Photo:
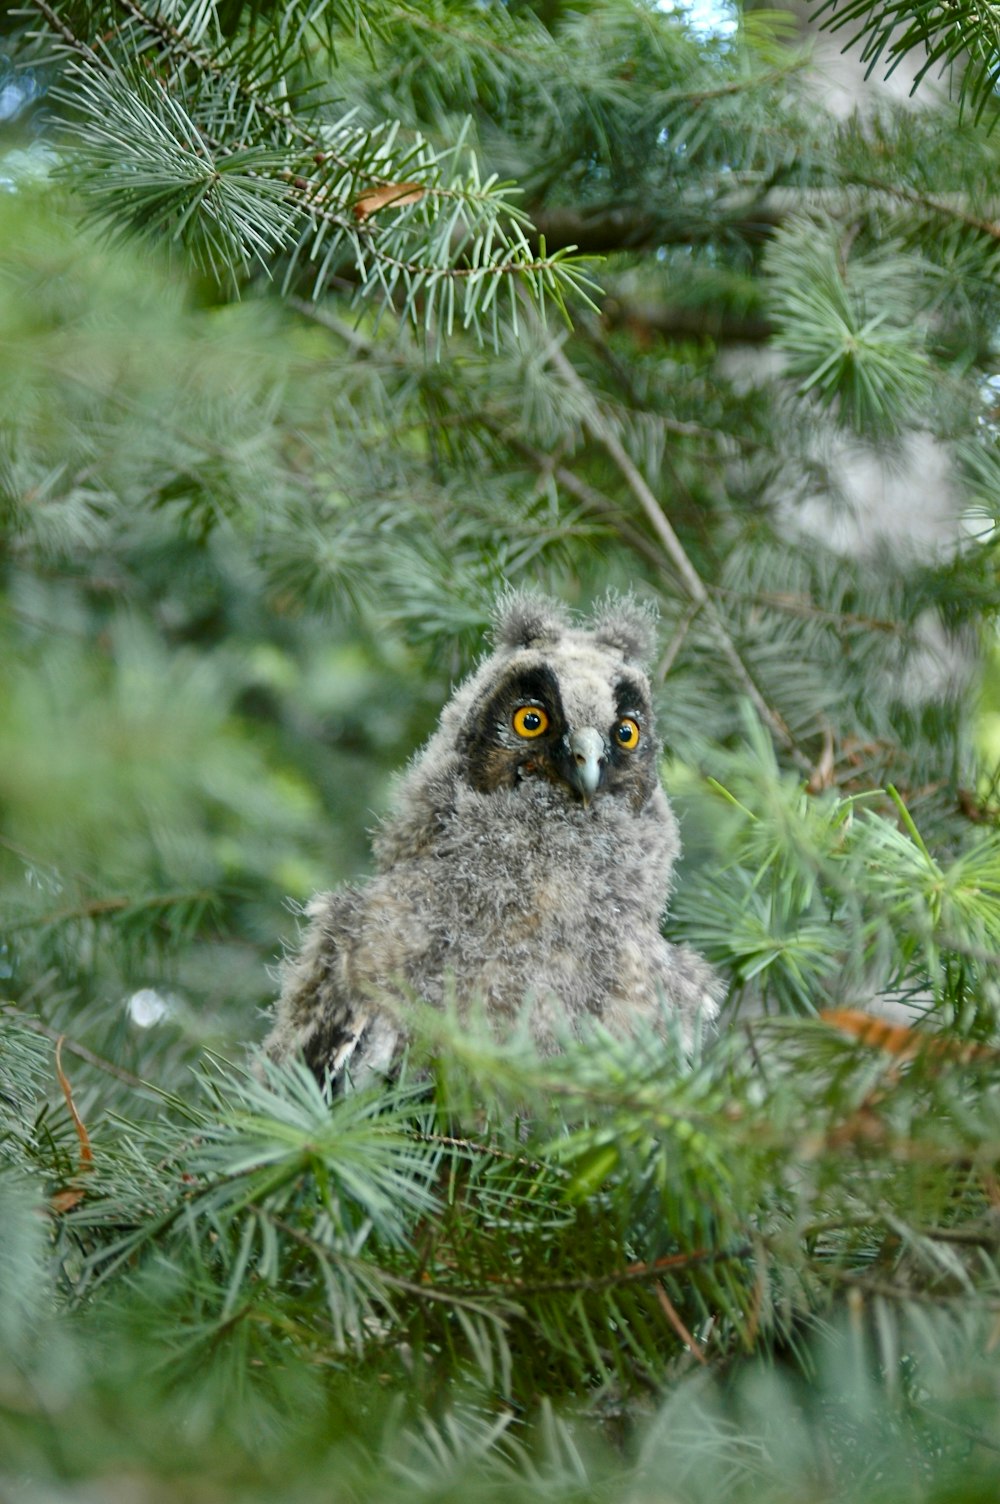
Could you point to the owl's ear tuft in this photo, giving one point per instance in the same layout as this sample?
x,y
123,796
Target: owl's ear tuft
x,y
623,622
522,619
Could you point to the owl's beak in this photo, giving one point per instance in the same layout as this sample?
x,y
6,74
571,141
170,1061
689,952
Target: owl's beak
x,y
588,756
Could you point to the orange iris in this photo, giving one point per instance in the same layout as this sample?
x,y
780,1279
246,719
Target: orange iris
x,y
530,720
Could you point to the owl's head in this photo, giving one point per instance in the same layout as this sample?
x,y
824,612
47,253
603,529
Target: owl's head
x,y
563,705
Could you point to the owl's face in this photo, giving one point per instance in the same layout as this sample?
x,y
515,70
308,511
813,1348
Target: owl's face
x,y
576,716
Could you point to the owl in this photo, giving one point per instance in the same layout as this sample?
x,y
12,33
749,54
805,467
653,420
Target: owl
x,y
525,868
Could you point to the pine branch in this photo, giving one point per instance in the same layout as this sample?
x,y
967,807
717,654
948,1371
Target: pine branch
x,y
163,157
964,35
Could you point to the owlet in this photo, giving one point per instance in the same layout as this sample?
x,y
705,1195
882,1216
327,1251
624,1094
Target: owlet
x,y
525,868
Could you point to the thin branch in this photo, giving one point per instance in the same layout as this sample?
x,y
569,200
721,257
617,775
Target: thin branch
x,y
941,207
802,606
600,230
971,1433
676,642
623,371
491,1151
359,346
631,1275
86,1149
97,908
671,322
865,1285
691,580
59,26
418,1289
605,228
673,1316
80,1050
590,496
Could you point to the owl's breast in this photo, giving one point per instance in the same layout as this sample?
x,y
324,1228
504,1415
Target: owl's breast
x,y
534,851
517,902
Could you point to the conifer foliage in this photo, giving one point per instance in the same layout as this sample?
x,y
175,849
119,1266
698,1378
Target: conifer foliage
x,y
321,322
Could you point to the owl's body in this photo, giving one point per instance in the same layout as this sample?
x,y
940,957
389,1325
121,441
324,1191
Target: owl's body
x,y
526,868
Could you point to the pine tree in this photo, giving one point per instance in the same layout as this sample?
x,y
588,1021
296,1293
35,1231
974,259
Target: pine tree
x,y
321,322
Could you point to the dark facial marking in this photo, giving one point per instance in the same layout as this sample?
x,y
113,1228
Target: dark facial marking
x,y
630,696
632,762
496,756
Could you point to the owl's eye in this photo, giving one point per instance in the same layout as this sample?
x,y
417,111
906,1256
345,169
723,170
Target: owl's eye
x,y
627,733
530,720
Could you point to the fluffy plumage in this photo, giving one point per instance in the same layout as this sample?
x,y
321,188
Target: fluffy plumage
x,y
527,863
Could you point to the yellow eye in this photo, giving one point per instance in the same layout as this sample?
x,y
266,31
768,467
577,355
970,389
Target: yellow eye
x,y
530,720
627,733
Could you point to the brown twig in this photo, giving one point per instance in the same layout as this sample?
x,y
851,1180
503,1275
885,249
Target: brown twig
x,y
71,1195
673,1316
86,1152
632,1274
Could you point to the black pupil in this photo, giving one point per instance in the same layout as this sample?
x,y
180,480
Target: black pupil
x,y
625,732
531,720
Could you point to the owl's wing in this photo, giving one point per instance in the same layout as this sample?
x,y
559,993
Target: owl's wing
x,y
318,1013
689,987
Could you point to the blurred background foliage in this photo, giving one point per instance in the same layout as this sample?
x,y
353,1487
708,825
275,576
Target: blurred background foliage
x,y
301,363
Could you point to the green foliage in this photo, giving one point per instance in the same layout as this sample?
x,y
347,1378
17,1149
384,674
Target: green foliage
x,y
816,902
282,408
645,1211
961,38
218,129
851,333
